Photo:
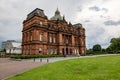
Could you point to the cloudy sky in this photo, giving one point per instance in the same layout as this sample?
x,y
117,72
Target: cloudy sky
x,y
100,18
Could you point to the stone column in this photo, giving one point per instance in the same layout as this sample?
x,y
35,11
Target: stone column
x,y
73,40
60,38
60,42
37,37
45,37
44,49
36,51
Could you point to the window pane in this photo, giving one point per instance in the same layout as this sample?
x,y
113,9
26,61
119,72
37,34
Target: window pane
x,y
41,36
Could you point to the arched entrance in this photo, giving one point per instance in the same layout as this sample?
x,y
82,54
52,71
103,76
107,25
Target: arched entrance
x,y
67,51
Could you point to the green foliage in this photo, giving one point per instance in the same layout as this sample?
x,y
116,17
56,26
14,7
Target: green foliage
x,y
100,52
115,45
103,50
96,53
33,56
97,47
97,68
91,52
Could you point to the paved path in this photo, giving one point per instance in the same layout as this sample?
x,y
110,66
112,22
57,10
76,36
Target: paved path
x,y
9,67
66,58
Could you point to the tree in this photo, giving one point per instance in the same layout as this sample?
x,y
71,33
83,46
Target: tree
x,y
97,47
103,50
115,44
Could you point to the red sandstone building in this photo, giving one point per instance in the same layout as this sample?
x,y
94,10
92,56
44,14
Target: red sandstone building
x,y
43,36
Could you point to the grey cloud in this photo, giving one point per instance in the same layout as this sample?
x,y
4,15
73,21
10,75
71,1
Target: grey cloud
x,y
112,23
79,9
104,9
86,21
102,16
94,8
105,17
10,29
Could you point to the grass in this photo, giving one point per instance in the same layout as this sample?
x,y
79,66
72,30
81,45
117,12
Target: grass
x,y
98,68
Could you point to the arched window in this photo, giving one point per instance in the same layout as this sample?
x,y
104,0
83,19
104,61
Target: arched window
x,y
40,50
40,23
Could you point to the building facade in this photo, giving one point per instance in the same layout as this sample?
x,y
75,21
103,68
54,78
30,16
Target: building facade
x,y
43,36
12,47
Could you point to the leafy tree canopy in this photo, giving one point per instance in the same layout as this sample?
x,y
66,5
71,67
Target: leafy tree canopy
x,y
97,47
115,44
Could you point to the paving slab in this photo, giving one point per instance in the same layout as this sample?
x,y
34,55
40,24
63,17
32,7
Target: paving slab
x,y
10,67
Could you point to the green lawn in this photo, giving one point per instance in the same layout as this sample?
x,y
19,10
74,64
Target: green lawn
x,y
98,68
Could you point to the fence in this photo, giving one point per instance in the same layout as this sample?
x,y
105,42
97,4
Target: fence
x,y
41,60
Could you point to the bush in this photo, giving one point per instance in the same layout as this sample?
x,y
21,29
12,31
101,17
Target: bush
x,y
96,52
111,52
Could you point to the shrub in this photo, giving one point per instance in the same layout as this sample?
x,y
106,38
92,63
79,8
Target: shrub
x,y
33,56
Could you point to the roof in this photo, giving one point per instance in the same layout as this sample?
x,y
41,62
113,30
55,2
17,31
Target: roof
x,y
57,16
37,11
16,44
78,25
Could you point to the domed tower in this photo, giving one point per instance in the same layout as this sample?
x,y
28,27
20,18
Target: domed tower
x,y
57,16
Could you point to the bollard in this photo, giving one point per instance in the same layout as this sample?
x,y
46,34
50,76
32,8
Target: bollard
x,y
40,59
34,59
47,60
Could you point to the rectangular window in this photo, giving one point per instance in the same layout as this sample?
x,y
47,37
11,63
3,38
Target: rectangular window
x,y
47,50
50,39
51,51
54,40
41,37
55,51
31,38
66,41
75,51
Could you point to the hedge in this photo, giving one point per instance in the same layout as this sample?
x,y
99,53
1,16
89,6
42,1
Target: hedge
x,y
33,56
